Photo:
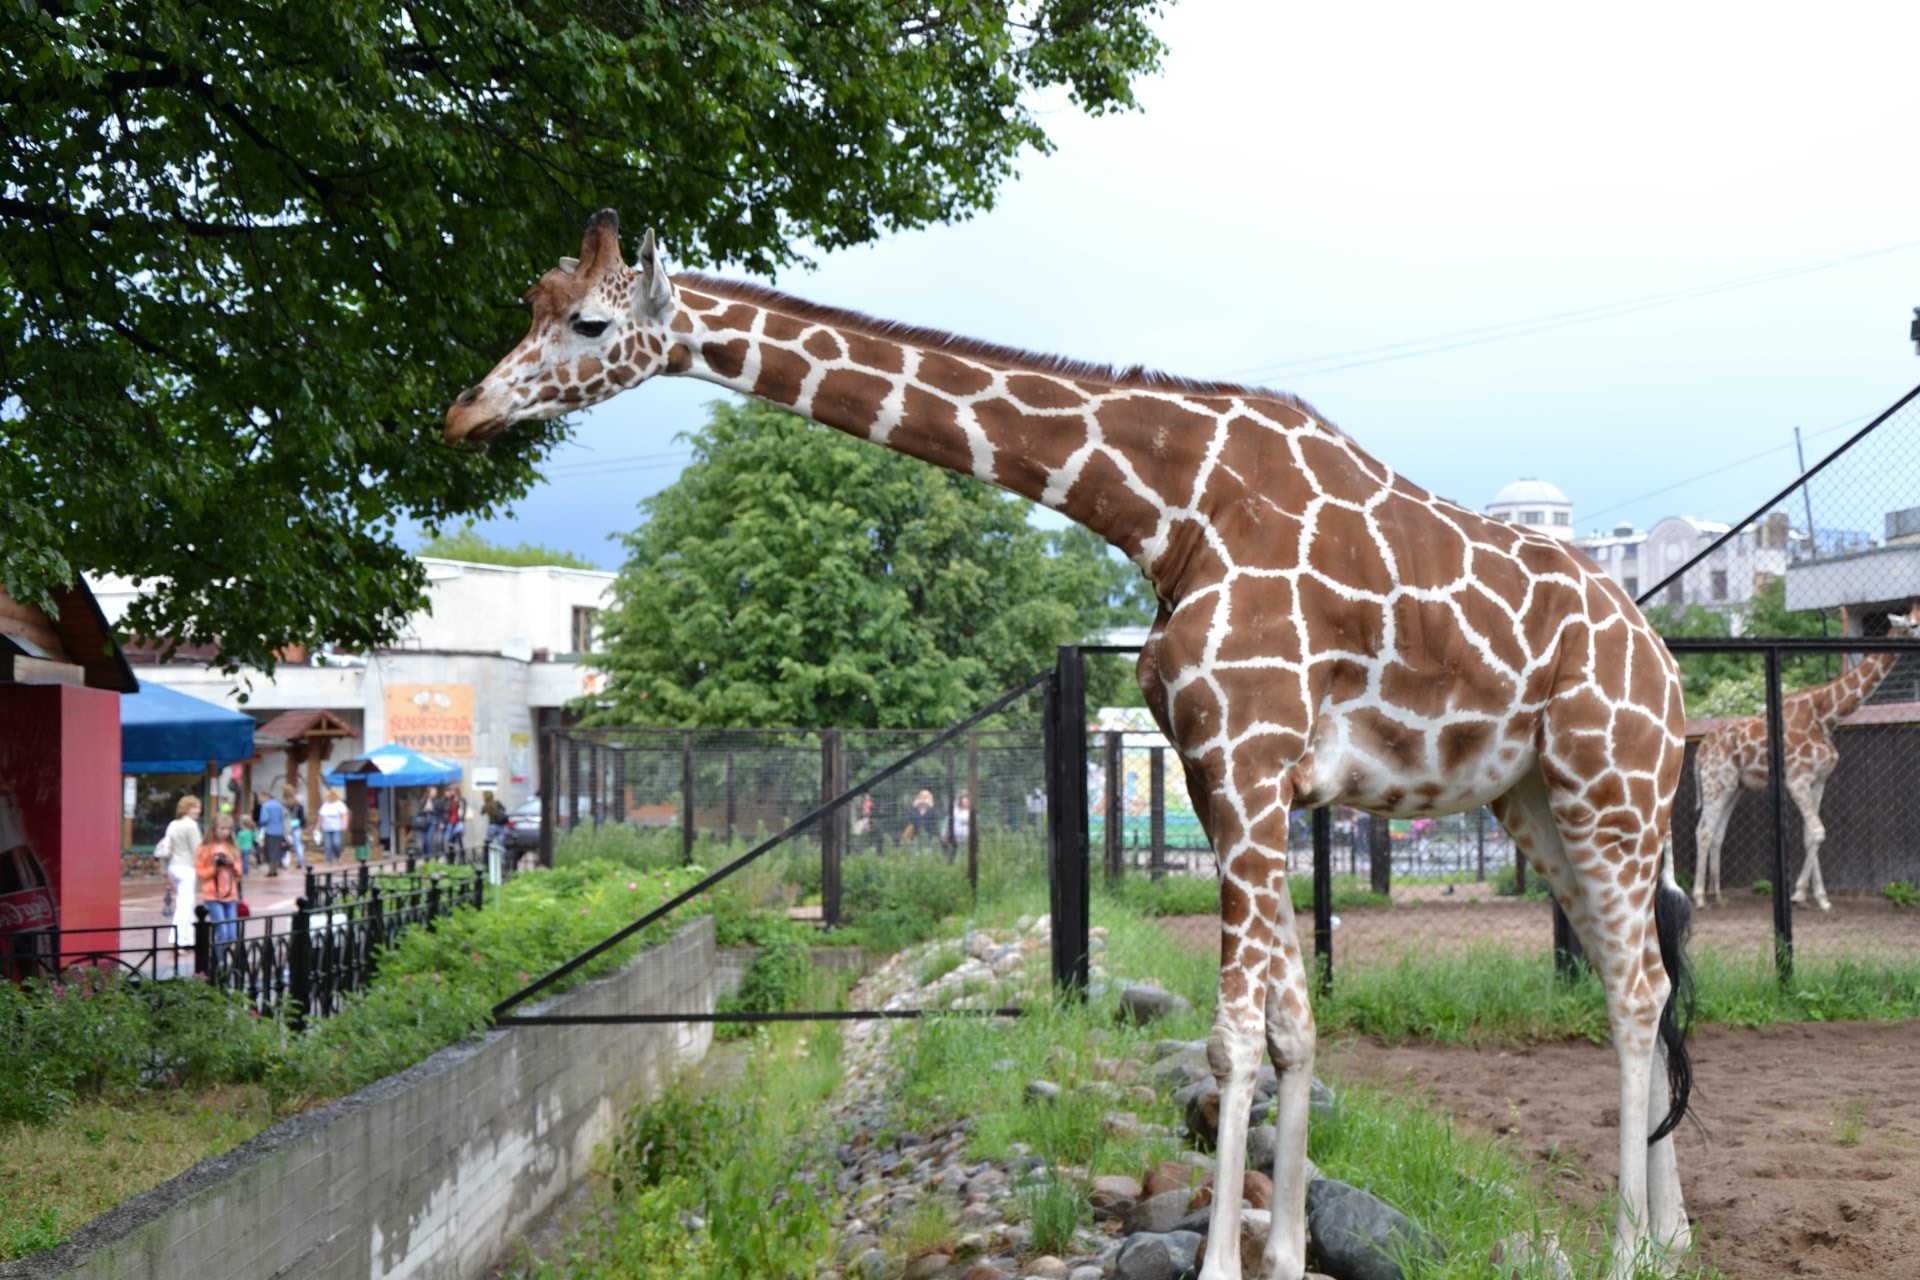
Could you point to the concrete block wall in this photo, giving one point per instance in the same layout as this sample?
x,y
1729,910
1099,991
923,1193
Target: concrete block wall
x,y
430,1174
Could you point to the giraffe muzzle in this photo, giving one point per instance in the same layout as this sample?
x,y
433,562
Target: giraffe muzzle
x,y
468,418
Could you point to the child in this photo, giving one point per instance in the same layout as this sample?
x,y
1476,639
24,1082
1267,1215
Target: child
x,y
243,840
216,862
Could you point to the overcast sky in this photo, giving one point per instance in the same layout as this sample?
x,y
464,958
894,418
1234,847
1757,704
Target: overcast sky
x,y
1487,240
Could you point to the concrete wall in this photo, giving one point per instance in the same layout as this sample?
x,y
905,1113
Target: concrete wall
x,y
430,1173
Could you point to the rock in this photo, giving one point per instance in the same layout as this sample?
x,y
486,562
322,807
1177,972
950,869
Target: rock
x,y
978,944
970,1245
1266,1081
1002,1064
1141,1004
1042,1091
1261,1142
1141,1095
871,1265
1182,1066
1123,1125
1322,1100
1255,1224
926,1266
1203,1111
1522,1255
1112,1187
1045,1267
1168,1048
983,1271
1087,1273
1156,1214
1168,1175
1257,1190
855,1245
1157,1256
1006,964
1357,1237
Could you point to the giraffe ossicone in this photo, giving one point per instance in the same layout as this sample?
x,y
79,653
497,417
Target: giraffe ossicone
x,y
1733,757
1327,632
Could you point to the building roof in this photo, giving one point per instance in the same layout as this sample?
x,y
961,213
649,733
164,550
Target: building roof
x,y
76,633
291,725
1530,489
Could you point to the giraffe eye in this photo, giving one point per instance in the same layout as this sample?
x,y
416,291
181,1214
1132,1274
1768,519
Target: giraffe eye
x,y
589,328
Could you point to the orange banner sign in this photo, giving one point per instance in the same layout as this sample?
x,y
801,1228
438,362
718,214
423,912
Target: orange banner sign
x,y
434,718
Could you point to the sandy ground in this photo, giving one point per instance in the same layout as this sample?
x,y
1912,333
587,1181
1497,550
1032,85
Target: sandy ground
x,y
1807,1162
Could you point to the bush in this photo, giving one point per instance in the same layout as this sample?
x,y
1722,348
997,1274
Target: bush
x,y
1506,879
621,844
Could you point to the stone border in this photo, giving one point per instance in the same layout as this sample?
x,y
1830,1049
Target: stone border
x,y
432,1172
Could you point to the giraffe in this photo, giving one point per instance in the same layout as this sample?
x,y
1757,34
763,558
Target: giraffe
x,y
1327,632
1734,755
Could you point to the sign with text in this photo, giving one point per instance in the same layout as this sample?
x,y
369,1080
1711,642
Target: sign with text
x,y
434,718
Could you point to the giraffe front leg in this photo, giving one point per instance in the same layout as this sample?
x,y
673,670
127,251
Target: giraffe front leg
x,y
1665,1205
1715,809
1290,1042
1814,835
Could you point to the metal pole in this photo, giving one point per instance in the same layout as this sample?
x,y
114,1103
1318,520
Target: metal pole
x,y
1480,844
830,786
1323,896
729,790
1067,812
973,815
686,796
1777,801
1157,813
549,798
1566,946
1116,809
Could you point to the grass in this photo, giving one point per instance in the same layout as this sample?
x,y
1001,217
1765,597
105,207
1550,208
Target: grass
x,y
1850,1125
56,1177
1184,895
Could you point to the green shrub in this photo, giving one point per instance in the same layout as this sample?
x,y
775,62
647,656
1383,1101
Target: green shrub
x,y
1901,893
773,983
1506,879
620,843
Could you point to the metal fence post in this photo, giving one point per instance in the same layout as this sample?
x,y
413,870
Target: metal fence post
x,y
727,787
1567,952
300,964
619,806
202,942
433,901
1116,808
1777,802
1323,896
1157,813
973,815
549,795
832,782
1067,815
686,796
1480,844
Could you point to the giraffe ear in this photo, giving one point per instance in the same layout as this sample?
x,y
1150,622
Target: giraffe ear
x,y
656,291
568,265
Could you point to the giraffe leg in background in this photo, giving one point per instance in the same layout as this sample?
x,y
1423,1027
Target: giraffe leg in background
x,y
1806,792
1717,797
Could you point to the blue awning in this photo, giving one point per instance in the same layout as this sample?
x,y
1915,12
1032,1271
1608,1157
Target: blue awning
x,y
165,731
393,765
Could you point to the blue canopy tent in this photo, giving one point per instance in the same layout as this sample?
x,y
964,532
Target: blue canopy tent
x,y
390,768
395,766
165,731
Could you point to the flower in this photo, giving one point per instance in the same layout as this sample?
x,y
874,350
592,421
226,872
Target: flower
x,y
632,884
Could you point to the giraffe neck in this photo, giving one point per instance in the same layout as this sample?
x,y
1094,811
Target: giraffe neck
x,y
1835,700
1115,452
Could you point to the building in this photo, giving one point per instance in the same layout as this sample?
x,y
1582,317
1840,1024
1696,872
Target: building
x,y
1618,553
1535,504
1730,577
494,659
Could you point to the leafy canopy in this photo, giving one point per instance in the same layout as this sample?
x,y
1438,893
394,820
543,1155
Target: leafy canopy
x,y
795,576
1734,684
249,253
467,544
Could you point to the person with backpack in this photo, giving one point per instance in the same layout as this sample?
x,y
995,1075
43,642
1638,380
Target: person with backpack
x,y
273,830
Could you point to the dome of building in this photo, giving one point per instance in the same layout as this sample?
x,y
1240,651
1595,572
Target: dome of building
x,y
1530,489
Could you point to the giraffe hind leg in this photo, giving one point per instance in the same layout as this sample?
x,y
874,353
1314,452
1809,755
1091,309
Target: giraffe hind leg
x,y
1806,798
1290,1043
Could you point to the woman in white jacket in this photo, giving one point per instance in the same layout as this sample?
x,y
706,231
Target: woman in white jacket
x,y
182,842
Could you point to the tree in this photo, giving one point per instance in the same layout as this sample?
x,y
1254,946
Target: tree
x,y
796,576
249,253
467,544
1732,684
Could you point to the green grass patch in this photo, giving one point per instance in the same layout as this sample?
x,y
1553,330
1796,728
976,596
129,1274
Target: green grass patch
x,y
748,1159
1184,895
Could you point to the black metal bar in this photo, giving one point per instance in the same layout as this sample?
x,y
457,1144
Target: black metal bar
x,y
1116,808
1067,812
202,941
1323,897
690,893
300,965
686,796
1789,644
812,1015
1157,813
1480,844
1566,945
1776,499
1777,801
832,779
549,795
727,785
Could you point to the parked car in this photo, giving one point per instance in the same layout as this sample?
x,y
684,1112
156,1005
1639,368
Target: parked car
x,y
523,827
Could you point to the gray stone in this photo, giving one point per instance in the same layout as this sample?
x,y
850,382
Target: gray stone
x,y
1355,1236
1157,1256
1522,1255
855,1245
871,1265
1322,1100
1261,1143
926,1266
1141,1004
1182,1066
1087,1273
1157,1213
1045,1267
1042,1091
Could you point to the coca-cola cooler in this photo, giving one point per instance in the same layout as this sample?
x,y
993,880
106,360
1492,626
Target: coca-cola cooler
x,y
59,818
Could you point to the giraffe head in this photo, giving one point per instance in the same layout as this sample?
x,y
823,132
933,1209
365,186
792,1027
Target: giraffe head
x,y
599,327
1904,626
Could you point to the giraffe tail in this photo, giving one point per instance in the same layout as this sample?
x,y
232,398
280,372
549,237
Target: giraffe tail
x,y
1672,913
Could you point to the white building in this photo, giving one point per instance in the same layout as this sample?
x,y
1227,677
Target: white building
x,y
1618,553
1729,578
1535,504
493,660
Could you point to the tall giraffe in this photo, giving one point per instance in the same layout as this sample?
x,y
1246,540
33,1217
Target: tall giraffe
x,y
1328,633
1734,755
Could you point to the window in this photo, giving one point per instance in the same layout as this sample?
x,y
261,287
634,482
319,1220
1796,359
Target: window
x,y
586,627
1633,587
1633,551
1533,517
1719,584
1674,594
1563,517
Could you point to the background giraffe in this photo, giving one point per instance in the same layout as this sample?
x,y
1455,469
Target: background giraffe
x,y
1733,755
1328,632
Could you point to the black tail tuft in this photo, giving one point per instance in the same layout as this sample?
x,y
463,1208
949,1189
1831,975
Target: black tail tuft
x,y
1672,913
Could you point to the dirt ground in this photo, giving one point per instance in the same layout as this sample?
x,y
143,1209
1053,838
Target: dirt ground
x,y
1809,1164
1421,917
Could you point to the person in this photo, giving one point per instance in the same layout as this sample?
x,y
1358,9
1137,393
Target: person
x,y
454,817
244,839
333,826
217,863
496,818
922,822
273,827
962,820
182,843
430,827
296,824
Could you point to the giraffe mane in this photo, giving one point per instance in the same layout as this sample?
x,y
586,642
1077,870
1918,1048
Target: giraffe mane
x,y
1127,377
